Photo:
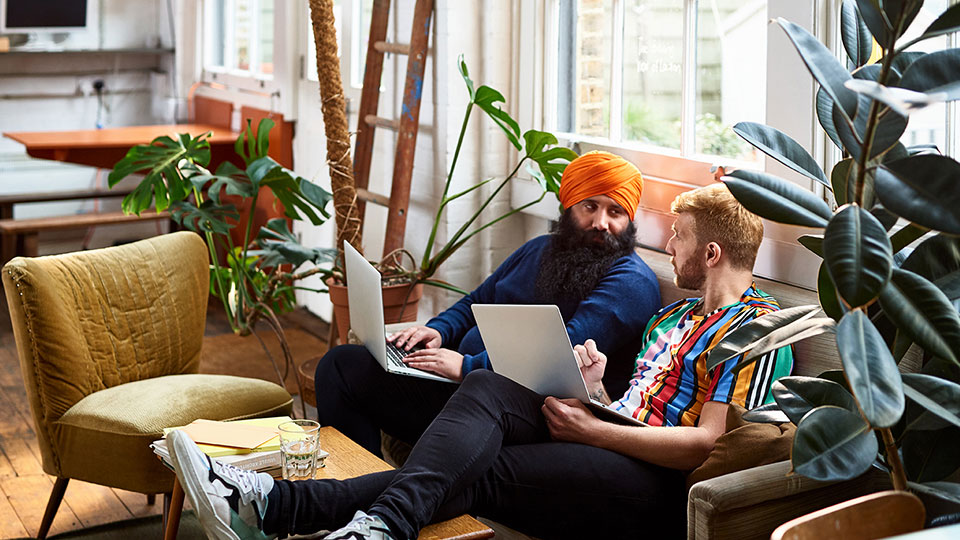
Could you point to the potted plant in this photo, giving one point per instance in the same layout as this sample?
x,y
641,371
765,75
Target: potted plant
x,y
535,147
255,279
879,296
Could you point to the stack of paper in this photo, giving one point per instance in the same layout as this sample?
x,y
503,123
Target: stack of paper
x,y
249,444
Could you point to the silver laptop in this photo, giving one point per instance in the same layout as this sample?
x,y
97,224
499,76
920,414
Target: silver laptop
x,y
529,344
366,315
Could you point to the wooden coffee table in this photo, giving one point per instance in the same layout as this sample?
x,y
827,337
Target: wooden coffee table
x,y
348,459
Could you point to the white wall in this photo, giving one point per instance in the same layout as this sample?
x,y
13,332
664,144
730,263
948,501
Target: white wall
x,y
53,91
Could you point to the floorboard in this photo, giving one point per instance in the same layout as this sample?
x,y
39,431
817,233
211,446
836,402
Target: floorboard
x,y
28,496
25,488
95,504
10,526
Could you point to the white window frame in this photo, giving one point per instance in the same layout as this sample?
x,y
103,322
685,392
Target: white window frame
x,y
268,91
615,143
790,108
349,33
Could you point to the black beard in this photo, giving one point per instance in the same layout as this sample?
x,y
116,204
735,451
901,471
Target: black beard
x,y
575,261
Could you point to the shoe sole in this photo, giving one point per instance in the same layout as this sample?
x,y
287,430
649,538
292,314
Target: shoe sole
x,y
193,488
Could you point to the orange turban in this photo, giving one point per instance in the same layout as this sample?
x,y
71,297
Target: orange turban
x,y
602,173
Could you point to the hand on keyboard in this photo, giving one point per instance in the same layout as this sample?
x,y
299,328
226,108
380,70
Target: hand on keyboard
x,y
416,335
443,362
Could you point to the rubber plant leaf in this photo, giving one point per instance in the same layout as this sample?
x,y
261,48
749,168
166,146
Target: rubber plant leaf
x,y
924,312
833,443
782,148
870,369
797,395
922,189
776,199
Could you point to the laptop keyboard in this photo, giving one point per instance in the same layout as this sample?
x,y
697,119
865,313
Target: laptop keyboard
x,y
395,355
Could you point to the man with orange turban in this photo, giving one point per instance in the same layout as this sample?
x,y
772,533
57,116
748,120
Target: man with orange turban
x,y
587,266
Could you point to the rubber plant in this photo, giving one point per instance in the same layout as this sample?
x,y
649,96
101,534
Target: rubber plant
x,y
890,276
255,280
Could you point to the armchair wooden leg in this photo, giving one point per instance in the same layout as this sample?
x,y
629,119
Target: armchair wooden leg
x,y
151,499
172,507
56,495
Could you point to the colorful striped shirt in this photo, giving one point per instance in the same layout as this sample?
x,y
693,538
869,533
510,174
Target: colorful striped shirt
x,y
670,382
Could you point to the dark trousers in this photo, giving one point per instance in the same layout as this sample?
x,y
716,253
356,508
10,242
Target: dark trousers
x,y
488,452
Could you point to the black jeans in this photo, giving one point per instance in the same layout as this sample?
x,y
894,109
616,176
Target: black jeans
x,y
356,396
489,453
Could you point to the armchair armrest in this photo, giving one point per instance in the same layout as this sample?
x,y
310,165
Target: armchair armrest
x,y
753,502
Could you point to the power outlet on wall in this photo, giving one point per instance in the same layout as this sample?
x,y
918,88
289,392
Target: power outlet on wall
x,y
89,86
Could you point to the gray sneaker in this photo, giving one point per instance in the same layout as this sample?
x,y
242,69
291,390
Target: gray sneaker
x,y
230,502
362,527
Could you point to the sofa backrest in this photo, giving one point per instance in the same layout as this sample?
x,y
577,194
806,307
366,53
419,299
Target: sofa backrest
x,y
812,356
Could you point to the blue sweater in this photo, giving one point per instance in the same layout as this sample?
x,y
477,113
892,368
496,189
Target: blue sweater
x,y
614,314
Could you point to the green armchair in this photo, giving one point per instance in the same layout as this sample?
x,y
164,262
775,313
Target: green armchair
x,y
109,344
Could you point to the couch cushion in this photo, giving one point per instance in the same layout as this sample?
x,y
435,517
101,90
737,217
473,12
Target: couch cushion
x,y
744,445
109,432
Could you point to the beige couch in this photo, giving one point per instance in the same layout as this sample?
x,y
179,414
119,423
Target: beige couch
x,y
751,503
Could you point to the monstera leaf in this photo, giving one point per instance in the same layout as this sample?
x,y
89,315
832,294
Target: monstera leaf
x,y
550,162
207,218
487,99
278,245
160,161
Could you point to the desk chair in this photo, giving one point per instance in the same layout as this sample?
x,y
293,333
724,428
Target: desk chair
x,y
109,344
877,515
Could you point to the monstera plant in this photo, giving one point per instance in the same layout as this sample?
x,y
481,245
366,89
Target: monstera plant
x,y
256,277
890,277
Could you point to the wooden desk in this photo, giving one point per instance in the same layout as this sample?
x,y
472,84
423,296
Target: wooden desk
x,y
105,147
348,459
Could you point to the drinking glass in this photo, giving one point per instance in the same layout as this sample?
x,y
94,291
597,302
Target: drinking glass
x,y
299,444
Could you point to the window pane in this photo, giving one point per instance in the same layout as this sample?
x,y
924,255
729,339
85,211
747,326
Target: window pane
x,y
583,98
215,29
362,34
731,74
242,33
652,74
929,125
266,37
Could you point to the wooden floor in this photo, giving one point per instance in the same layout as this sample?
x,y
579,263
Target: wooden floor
x,y
24,488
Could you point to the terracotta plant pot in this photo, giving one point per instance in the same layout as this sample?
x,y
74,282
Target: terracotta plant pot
x,y
400,304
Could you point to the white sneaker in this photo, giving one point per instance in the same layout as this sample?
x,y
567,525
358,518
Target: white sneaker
x,y
230,502
362,527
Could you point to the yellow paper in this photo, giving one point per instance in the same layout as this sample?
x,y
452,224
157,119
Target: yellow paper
x,y
272,444
229,434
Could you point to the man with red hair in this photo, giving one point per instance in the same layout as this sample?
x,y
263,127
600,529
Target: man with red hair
x,y
587,266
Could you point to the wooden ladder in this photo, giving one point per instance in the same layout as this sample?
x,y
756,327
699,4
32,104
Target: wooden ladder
x,y
406,125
